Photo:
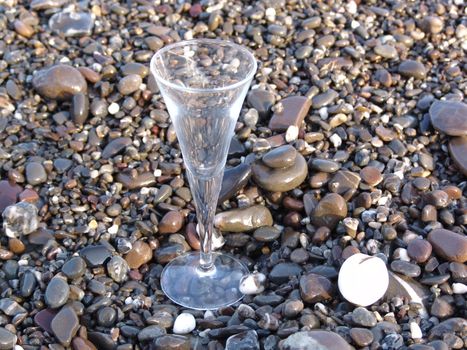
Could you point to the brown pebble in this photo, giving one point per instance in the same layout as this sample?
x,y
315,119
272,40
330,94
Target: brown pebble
x,y
16,245
139,254
171,222
371,175
419,250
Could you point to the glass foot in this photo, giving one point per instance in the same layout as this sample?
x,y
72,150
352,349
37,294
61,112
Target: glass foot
x,y
186,284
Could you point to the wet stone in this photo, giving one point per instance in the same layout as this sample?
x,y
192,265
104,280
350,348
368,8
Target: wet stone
x,y
71,23
118,268
169,252
431,24
20,219
282,272
171,222
449,117
345,183
8,339
329,211
324,99
61,165
27,284
95,255
443,307
234,180
261,100
449,245
59,82
411,68
315,288
35,173
281,157
10,307
140,254
361,336
44,319
74,268
293,112
419,250
266,234
8,194
364,318
65,325
134,182
79,343
102,341
386,51
316,339
171,342
115,146
245,340
371,175
458,152
106,316
135,68
324,165
57,292
405,268
150,333
129,84
79,108
243,219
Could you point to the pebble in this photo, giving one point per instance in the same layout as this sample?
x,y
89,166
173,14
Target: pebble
x,y
449,117
361,336
364,318
59,82
65,325
243,219
96,255
363,279
57,292
7,339
20,219
171,222
371,176
234,180
115,146
74,268
324,99
449,245
252,283
324,165
293,112
118,269
283,271
411,68
262,101
44,319
431,24
458,152
406,268
149,333
71,23
106,316
281,157
386,51
35,173
79,108
135,182
244,340
419,250
139,254
129,84
8,194
316,339
79,343
345,183
315,288
266,234
329,211
184,323
171,342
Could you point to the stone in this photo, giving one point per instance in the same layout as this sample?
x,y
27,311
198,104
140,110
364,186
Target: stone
x,y
8,193
71,23
20,219
102,341
171,342
314,340
363,279
57,292
139,254
79,343
44,319
449,245
135,68
280,157
95,255
315,288
280,179
431,24
361,336
243,341
35,173
458,151
106,316
411,68
330,210
11,308
293,112
406,268
129,84
184,323
324,165
364,318
324,99
443,306
171,222
386,51
243,219
59,82
131,182
169,252
266,234
419,250
8,339
79,110
451,325
150,333
234,180
61,165
283,271
449,117
371,175
118,269
345,183
65,325
261,100
74,268
252,283
115,146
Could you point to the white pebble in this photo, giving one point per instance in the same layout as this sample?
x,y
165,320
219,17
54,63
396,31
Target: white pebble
x,y
415,331
157,172
363,279
209,315
459,288
114,108
336,140
323,113
291,134
351,7
270,14
184,323
113,229
252,283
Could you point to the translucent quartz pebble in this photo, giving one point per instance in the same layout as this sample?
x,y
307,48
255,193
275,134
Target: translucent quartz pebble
x,y
71,23
20,219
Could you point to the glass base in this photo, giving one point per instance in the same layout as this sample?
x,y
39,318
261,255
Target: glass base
x,y
186,284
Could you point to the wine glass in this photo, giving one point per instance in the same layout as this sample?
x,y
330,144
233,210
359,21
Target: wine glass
x,y
204,83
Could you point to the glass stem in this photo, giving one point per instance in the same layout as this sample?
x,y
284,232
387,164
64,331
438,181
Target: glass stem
x,y
205,192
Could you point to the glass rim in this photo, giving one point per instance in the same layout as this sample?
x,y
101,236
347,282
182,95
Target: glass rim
x,y
182,43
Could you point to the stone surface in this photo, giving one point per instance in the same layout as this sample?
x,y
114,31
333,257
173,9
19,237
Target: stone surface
x,y
315,288
8,193
59,82
115,146
140,254
234,180
449,117
419,250
449,245
71,23
184,323
118,269
364,318
243,219
280,157
57,292
314,340
171,342
243,341
294,110
361,336
252,283
282,272
20,219
171,222
129,84
8,339
329,211
95,255
458,152
79,110
363,279
65,325
74,268
411,68
261,100
35,173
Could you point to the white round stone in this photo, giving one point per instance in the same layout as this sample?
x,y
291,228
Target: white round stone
x,y
363,279
184,323
291,134
252,283
459,288
415,331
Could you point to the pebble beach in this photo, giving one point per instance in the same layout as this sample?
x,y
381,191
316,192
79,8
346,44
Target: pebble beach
x,y
344,191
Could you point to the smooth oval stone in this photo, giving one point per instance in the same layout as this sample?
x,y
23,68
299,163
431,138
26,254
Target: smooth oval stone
x,y
244,340
419,250
102,341
315,288
135,68
115,146
65,325
329,211
131,182
449,117
266,234
371,175
118,268
139,254
315,339
27,284
243,219
8,193
129,84
57,292
283,179
35,173
324,165
361,336
7,339
234,180
169,252
171,342
458,152
386,51
431,24
106,316
95,255
363,279
324,99
452,325
280,157
61,165
71,23
79,108
151,332
74,268
411,68
406,268
344,182
261,100
363,317
59,82
171,222
449,245
294,110
282,272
